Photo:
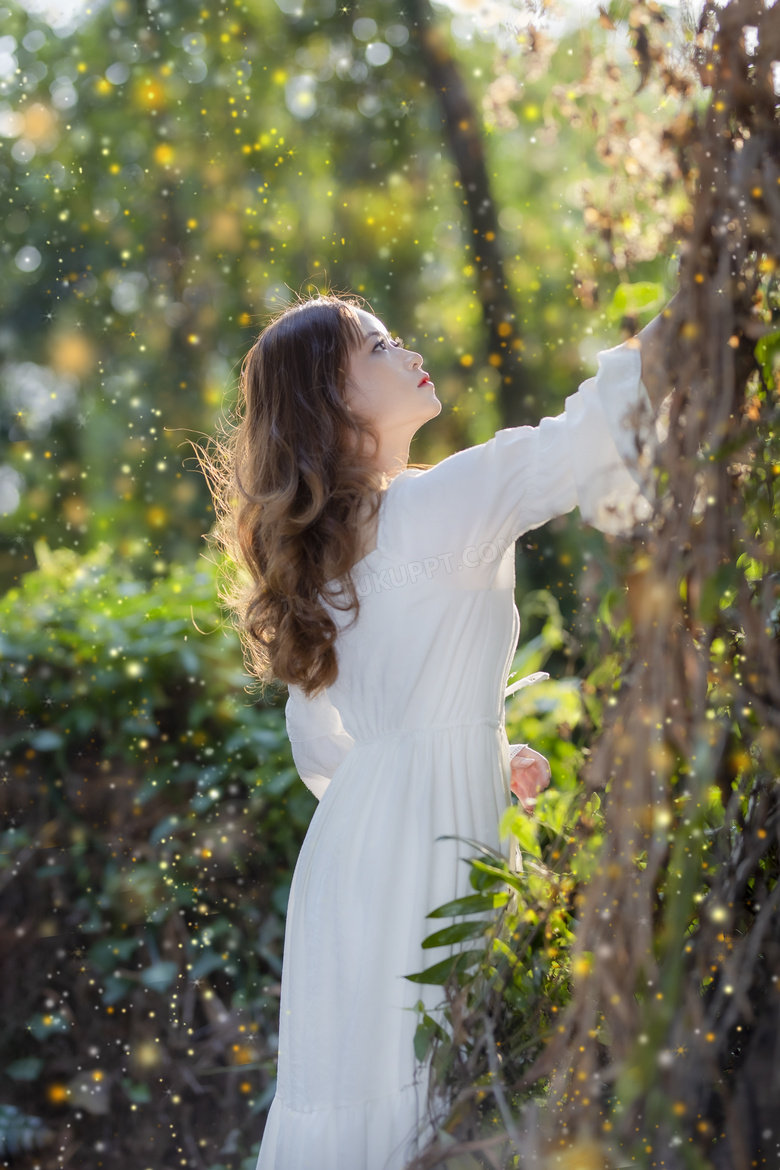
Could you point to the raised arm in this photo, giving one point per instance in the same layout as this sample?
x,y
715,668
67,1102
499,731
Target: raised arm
x,y
597,454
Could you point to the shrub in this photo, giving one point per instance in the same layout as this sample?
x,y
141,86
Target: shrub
x,y
151,818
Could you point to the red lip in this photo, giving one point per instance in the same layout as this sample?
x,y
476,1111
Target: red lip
x,y
423,381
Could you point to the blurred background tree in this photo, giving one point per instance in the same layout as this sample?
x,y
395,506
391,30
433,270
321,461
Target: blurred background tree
x,y
175,171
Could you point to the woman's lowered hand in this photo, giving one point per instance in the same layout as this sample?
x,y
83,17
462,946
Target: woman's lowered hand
x,y
530,774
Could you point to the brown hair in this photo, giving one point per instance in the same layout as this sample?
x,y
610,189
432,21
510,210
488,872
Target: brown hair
x,y
288,483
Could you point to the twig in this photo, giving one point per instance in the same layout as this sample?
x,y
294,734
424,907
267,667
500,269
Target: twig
x,y
498,1089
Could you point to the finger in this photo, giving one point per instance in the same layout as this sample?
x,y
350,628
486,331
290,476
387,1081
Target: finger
x,y
524,790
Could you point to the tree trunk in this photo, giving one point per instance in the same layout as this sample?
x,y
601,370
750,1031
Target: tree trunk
x,y
460,118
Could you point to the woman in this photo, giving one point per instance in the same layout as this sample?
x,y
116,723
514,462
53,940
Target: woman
x,y
383,595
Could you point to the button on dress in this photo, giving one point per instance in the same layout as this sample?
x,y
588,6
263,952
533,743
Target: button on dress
x,y
408,746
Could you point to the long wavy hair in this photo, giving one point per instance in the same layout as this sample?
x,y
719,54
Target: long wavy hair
x,y
289,479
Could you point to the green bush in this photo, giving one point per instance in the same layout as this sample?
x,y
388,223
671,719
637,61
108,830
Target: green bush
x,y
152,816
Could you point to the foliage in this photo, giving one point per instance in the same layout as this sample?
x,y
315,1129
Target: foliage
x,y
20,1133
505,995
152,818
177,171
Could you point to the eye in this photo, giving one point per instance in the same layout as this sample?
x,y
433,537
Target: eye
x,y
397,341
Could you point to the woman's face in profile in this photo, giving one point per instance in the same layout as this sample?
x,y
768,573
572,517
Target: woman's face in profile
x,y
384,381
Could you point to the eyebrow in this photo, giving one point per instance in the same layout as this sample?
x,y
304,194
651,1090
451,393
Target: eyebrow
x,y
376,333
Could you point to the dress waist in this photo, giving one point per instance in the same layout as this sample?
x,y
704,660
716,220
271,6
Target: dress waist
x,y
428,729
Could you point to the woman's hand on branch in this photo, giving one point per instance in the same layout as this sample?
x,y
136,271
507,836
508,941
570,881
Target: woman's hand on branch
x,y
530,774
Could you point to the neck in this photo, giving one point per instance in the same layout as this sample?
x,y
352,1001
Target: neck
x,y
393,455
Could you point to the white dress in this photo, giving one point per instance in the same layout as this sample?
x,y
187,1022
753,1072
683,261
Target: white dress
x,y
409,745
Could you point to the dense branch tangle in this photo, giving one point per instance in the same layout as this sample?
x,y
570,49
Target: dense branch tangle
x,y
668,1050
673,1060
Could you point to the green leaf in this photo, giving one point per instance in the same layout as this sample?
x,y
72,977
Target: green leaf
x,y
45,740
471,904
455,934
631,299
26,1069
44,1024
162,830
106,953
20,1133
281,896
422,1039
514,820
439,972
509,879
768,355
280,782
485,850
139,1093
482,881
425,1033
205,964
718,591
160,975
553,808
115,988
48,871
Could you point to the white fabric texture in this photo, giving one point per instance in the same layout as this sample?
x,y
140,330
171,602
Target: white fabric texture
x,y
408,746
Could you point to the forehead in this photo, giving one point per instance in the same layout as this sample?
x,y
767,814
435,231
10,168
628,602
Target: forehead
x,y
368,322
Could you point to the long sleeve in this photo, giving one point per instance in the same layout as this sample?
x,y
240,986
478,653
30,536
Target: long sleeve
x,y
597,454
317,737
612,438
